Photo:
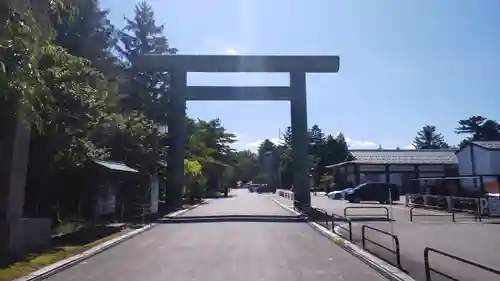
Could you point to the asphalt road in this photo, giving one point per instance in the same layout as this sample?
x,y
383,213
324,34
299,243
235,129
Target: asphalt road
x,y
245,237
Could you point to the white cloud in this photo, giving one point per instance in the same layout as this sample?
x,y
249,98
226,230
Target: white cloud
x,y
230,51
409,146
255,144
360,144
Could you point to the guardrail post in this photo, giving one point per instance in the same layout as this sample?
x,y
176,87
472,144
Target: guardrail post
x,y
363,236
426,265
350,230
398,254
411,214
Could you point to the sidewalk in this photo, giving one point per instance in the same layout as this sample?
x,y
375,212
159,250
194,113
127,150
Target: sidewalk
x,y
245,237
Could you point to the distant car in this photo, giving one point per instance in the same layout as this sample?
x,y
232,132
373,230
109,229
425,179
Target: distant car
x,y
338,194
253,187
266,188
373,191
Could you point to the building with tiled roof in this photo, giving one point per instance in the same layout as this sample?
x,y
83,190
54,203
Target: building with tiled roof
x,y
477,165
397,166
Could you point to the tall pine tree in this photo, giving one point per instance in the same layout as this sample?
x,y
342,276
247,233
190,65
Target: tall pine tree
x,y
145,91
428,138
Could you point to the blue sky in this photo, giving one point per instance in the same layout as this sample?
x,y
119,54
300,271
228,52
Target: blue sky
x,y
403,64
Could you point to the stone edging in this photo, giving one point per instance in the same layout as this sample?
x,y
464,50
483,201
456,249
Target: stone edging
x,y
387,270
61,265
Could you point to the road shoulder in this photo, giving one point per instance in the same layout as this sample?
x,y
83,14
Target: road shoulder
x,y
387,270
61,265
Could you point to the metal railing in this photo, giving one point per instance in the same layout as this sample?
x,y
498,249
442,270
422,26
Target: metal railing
x,y
387,216
468,205
428,269
395,251
348,229
451,214
332,220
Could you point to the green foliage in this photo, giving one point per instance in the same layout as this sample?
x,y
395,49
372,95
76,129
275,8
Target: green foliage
x,y
428,138
145,91
479,128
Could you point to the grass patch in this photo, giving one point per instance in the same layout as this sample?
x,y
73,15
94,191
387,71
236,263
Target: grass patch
x,y
58,251
338,241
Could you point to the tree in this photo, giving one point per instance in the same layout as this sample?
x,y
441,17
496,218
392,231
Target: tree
x,y
247,167
316,143
479,128
71,109
85,31
335,151
316,135
428,138
287,137
210,144
145,91
265,147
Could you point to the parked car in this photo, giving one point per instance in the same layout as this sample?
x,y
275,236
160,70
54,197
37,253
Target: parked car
x,y
253,187
266,188
373,191
338,194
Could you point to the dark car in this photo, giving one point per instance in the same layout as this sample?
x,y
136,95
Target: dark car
x,y
266,188
373,191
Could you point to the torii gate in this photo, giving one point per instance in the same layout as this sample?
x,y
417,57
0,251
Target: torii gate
x,y
297,66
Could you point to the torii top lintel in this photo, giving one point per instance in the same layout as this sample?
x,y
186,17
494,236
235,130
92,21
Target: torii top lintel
x,y
230,63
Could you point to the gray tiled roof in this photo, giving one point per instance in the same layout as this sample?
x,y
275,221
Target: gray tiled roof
x,y
494,145
400,156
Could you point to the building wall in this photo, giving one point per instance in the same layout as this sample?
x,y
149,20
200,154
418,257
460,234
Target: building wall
x,y
465,167
399,174
483,162
488,163
495,161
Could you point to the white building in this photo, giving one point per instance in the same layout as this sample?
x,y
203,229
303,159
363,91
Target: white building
x,y
480,158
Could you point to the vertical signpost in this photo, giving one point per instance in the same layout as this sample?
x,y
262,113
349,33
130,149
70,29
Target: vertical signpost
x,y
179,65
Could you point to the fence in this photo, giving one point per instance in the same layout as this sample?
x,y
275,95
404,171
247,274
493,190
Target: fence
x,y
322,216
386,216
452,214
428,269
286,194
348,229
395,251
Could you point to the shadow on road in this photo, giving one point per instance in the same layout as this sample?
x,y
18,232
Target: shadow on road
x,y
232,218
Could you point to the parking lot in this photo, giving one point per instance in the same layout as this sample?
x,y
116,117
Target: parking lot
x,y
473,241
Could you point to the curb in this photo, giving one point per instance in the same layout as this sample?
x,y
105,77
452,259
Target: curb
x,y
61,265
384,268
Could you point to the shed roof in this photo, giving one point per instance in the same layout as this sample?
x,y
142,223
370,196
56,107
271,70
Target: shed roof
x,y
403,156
490,145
